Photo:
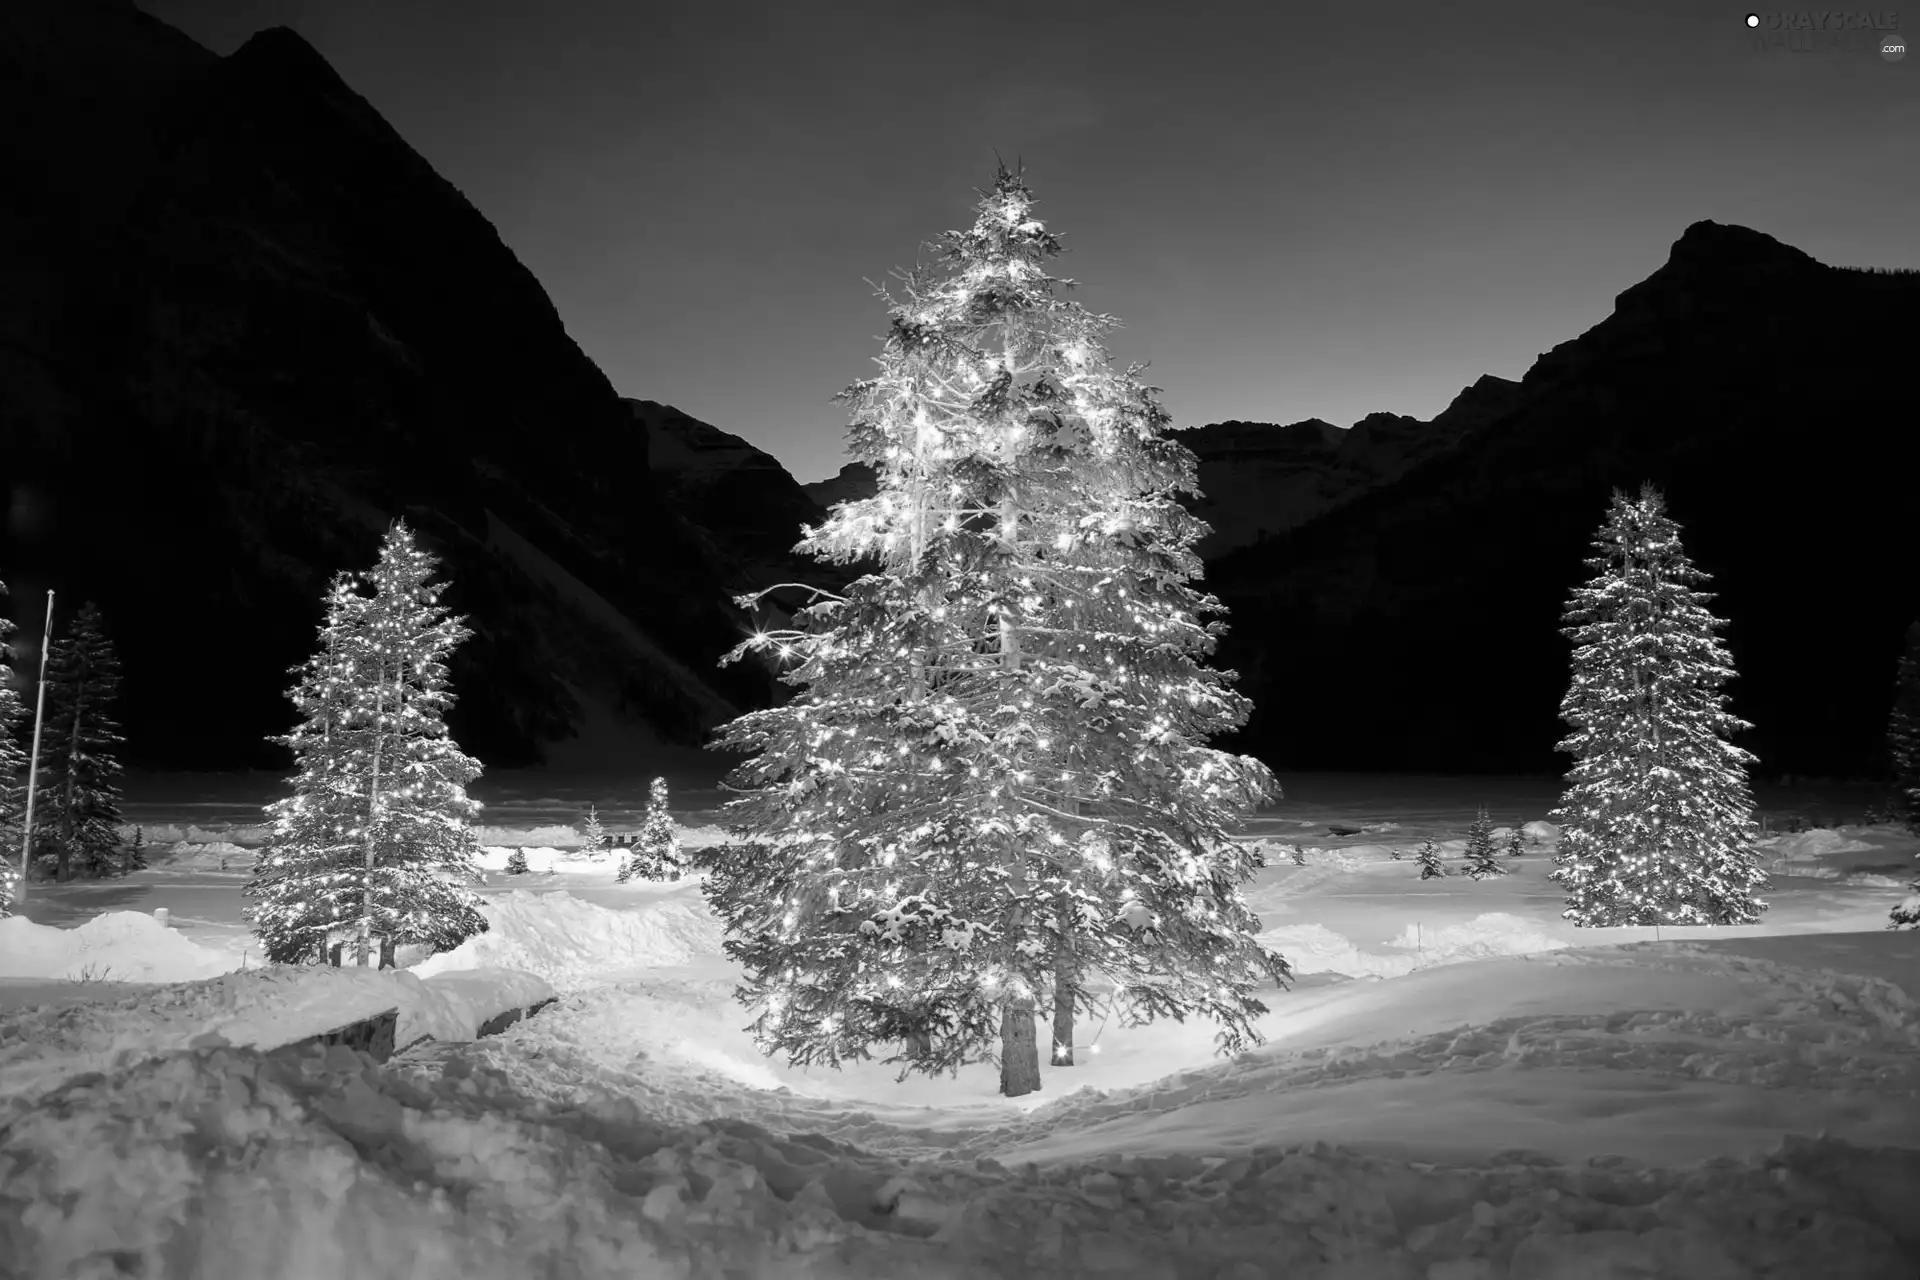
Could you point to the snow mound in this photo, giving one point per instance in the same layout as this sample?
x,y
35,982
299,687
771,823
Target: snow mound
x,y
118,946
259,1008
1492,933
1541,832
1313,948
575,944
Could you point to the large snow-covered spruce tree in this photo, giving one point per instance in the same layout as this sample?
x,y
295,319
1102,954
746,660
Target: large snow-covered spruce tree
x,y
82,795
1657,818
993,789
13,764
377,839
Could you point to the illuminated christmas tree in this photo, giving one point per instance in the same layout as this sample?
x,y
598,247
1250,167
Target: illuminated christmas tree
x,y
1481,860
13,768
377,839
1657,819
992,790
1903,735
593,834
81,817
656,850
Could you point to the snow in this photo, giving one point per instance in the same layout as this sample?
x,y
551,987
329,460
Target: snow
x,y
572,943
1461,1086
261,1008
127,946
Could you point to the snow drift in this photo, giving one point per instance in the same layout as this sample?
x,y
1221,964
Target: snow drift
x,y
575,944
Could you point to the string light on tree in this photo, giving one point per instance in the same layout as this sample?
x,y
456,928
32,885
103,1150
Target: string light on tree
x,y
960,802
1657,819
376,840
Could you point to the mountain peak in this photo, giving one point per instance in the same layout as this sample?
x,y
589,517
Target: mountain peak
x,y
1726,246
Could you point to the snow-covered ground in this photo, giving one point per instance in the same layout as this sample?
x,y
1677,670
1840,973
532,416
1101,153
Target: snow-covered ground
x,y
1460,1087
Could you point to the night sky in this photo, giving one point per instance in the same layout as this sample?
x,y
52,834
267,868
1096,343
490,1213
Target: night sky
x,y
1297,209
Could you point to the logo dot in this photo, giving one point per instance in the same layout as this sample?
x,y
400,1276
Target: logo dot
x,y
1753,19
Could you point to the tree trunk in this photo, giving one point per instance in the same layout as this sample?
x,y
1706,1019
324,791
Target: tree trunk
x,y
1064,978
70,789
1019,1050
920,1043
388,945
334,952
373,831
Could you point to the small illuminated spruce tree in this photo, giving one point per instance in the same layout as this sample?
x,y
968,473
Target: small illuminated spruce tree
x,y
82,794
993,788
1431,868
377,838
1481,860
1657,818
13,768
656,850
593,833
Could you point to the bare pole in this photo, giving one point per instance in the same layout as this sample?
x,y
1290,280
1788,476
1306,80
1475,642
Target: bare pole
x,y
33,764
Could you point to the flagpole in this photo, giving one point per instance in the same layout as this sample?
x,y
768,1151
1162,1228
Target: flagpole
x,y
33,765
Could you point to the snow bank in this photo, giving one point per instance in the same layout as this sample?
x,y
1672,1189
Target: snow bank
x,y
261,1008
574,944
1313,948
1541,832
119,946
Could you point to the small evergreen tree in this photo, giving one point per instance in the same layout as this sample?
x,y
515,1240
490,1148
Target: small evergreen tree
x,y
1903,735
378,834
1396,853
1429,861
1299,856
1657,819
594,834
656,851
82,814
136,850
1481,861
517,863
1516,841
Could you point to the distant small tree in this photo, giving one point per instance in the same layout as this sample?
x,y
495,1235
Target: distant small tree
x,y
656,852
593,833
1299,856
517,863
1481,861
1397,853
136,852
1516,841
1903,735
1429,861
82,813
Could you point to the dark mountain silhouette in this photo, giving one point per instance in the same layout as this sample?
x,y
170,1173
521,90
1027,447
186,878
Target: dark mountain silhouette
x,y
1415,627
1257,478
245,326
